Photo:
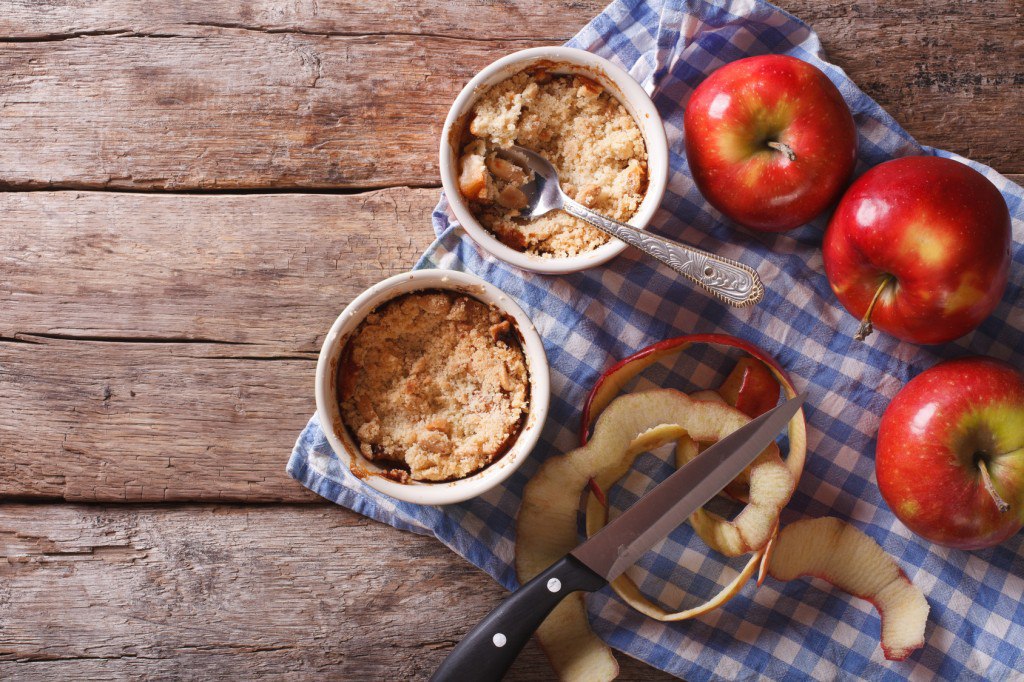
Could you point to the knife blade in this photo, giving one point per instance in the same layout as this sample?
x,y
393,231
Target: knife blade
x,y
621,543
489,649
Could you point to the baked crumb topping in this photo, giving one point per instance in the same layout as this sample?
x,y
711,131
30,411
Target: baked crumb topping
x,y
435,383
590,138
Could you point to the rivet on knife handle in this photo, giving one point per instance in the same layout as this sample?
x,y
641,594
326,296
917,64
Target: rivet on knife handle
x,y
487,652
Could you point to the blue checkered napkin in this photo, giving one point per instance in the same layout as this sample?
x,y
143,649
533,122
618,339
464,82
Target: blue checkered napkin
x,y
588,320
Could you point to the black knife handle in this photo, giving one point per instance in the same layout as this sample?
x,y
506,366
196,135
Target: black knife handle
x,y
487,652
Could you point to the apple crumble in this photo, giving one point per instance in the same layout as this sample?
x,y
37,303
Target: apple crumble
x,y
593,142
434,385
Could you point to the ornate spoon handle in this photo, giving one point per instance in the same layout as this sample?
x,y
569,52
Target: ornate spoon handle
x,y
730,282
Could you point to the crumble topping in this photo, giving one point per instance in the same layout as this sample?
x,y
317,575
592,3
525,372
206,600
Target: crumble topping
x,y
436,383
590,138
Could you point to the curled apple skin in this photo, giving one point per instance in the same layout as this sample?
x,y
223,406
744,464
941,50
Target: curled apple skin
x,y
611,383
546,524
750,387
825,548
843,556
932,442
615,378
771,487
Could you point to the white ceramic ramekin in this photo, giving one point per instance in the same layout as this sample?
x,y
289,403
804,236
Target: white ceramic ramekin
x,y
562,60
327,375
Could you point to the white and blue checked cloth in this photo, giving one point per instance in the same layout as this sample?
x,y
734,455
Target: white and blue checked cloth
x,y
782,631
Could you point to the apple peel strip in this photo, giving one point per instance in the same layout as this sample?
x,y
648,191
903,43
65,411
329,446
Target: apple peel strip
x,y
624,586
902,606
545,532
847,558
771,486
546,525
615,379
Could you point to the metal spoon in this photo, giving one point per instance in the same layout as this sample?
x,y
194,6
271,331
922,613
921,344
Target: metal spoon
x,y
729,281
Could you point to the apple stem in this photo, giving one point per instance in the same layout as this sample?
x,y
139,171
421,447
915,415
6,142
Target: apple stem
x,y
782,147
865,323
987,480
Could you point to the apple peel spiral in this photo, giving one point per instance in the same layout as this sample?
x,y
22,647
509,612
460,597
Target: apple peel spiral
x,y
626,425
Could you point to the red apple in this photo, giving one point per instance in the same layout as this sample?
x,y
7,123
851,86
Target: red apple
x,y
950,455
920,248
770,141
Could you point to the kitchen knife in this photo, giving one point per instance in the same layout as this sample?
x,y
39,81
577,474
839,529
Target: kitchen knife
x,y
489,649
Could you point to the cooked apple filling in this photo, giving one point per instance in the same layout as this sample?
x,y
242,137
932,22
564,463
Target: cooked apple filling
x,y
590,138
434,386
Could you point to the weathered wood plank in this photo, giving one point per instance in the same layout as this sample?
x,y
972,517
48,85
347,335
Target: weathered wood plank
x,y
471,19
169,342
126,422
949,73
474,19
256,280
179,104
197,592
221,108
268,271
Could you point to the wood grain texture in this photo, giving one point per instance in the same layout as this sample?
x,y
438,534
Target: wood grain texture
x,y
470,19
163,347
125,422
201,592
267,273
317,97
224,108
950,73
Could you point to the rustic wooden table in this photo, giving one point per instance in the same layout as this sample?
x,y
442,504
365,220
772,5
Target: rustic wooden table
x,y
191,192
